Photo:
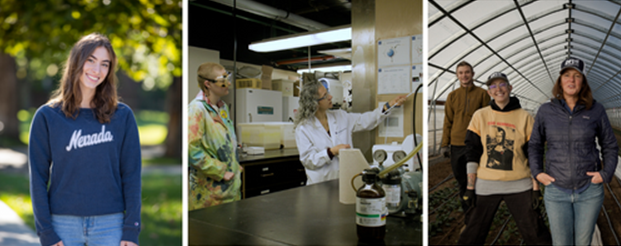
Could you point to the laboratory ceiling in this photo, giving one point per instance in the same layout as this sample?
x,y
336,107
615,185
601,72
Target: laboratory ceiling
x,y
212,26
527,40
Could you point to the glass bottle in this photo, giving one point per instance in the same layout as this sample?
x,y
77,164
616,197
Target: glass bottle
x,y
371,208
391,184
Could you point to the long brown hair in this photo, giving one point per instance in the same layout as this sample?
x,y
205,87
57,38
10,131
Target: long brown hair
x,y
584,96
69,96
308,102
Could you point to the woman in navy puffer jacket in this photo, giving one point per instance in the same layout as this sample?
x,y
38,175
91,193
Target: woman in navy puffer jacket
x,y
574,172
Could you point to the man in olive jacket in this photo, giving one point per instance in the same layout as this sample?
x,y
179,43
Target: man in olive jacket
x,y
458,109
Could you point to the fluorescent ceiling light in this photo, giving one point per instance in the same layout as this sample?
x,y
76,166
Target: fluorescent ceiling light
x,y
344,53
326,69
306,39
343,50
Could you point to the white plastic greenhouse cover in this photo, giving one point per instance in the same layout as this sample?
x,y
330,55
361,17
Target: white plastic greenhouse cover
x,y
527,40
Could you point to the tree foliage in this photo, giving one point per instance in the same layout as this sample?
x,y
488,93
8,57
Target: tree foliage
x,y
145,34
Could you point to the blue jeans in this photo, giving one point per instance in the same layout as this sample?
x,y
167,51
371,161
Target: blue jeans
x,y
99,230
573,216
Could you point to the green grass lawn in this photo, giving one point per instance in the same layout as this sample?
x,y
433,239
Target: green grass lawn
x,y
161,210
161,206
15,192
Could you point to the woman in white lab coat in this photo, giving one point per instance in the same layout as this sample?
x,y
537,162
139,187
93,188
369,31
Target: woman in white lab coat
x,y
320,133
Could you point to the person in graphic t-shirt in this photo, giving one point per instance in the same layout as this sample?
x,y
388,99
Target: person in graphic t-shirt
x,y
500,153
504,124
84,146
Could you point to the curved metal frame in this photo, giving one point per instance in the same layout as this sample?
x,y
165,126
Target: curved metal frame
x,y
530,65
600,65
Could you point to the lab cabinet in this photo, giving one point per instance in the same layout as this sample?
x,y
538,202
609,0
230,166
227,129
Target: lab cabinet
x,y
277,170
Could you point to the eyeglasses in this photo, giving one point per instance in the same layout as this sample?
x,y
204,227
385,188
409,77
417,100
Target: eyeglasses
x,y
503,85
324,96
222,78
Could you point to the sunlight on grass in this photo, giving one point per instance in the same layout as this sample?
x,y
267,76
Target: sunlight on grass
x,y
15,192
161,210
152,134
152,116
22,205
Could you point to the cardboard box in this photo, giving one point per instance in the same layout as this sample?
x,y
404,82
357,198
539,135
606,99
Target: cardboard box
x,y
283,85
296,89
266,77
248,83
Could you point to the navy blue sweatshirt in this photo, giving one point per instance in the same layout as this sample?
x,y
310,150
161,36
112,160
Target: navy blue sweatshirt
x,y
95,168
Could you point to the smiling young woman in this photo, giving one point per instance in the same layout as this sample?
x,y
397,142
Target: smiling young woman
x,y
497,168
84,146
95,70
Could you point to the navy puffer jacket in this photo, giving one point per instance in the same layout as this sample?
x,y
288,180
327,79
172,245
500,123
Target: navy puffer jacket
x,y
572,150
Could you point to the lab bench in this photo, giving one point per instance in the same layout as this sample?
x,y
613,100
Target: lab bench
x,y
309,215
276,170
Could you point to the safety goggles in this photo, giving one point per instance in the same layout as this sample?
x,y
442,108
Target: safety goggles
x,y
220,79
324,96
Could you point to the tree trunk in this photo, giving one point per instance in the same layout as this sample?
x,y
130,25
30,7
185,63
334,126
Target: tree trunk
x,y
9,104
173,107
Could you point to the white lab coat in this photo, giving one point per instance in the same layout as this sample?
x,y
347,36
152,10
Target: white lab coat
x,y
313,140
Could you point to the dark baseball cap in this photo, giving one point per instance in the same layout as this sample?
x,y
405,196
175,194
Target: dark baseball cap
x,y
496,75
574,63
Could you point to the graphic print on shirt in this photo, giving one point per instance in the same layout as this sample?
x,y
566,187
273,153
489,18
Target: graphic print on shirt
x,y
500,145
79,141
